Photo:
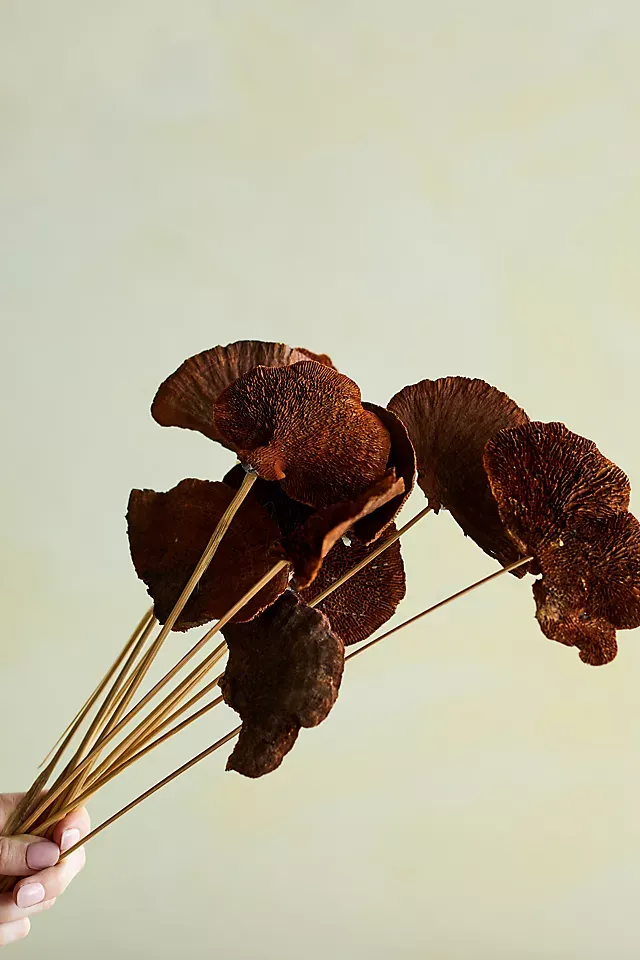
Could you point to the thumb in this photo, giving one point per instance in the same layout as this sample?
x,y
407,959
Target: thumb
x,y
22,855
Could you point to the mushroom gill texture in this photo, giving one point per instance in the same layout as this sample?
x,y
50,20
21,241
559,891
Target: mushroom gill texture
x,y
449,421
565,503
304,425
284,672
187,397
367,600
544,478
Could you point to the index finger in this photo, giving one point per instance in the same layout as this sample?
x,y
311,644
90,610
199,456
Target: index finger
x,y
75,826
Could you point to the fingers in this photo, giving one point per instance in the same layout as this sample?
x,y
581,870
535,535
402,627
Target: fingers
x,y
22,855
72,829
48,884
38,862
17,930
52,882
10,912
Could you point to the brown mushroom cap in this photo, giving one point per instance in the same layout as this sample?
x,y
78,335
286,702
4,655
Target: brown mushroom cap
x,y
305,426
365,602
168,533
544,478
186,398
449,421
284,673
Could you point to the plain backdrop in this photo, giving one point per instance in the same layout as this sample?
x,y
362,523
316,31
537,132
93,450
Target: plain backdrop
x,y
419,189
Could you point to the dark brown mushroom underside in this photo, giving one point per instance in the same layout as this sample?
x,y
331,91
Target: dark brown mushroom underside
x,y
168,533
284,673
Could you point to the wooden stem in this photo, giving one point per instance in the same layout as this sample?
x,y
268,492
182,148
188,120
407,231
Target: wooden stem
x,y
158,786
156,720
97,784
93,733
75,724
441,603
62,785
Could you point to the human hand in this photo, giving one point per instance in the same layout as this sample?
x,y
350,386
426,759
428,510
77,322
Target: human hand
x,y
36,860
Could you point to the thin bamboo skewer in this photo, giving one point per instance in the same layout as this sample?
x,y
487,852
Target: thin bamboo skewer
x,y
162,783
200,569
153,722
95,785
221,528
140,748
156,720
83,712
132,687
26,804
187,684
149,734
118,707
441,603
62,784
204,561
93,733
147,748
236,731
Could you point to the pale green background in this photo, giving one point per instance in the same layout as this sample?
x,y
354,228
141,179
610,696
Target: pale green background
x,y
420,189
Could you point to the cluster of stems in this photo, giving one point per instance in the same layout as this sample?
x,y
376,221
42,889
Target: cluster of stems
x,y
124,730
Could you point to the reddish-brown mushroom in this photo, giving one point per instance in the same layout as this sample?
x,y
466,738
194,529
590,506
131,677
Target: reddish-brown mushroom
x,y
304,425
284,673
449,421
564,503
168,533
310,543
365,602
544,477
186,398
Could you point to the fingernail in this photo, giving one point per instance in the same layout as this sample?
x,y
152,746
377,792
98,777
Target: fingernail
x,y
69,839
43,854
30,894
